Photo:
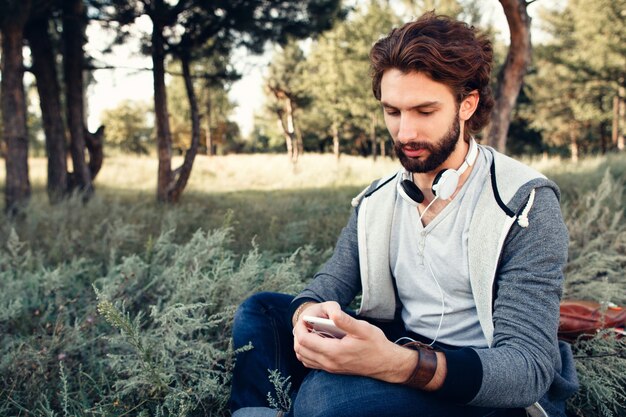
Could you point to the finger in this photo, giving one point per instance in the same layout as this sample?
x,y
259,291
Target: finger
x,y
349,324
310,366
313,360
306,343
331,308
299,328
304,339
308,358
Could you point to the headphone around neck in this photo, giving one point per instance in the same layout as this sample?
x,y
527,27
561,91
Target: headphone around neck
x,y
445,183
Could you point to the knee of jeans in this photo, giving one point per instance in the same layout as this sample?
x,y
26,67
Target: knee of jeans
x,y
250,309
313,401
255,304
320,409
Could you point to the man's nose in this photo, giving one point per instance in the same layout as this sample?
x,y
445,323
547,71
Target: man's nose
x,y
408,128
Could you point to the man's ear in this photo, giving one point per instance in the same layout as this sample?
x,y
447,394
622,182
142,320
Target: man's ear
x,y
469,105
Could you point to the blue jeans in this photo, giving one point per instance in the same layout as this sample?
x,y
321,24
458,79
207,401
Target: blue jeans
x,y
263,321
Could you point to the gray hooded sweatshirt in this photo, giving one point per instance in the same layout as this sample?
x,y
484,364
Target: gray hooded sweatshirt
x,y
517,250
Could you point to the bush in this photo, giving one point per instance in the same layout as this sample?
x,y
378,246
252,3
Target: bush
x,y
163,347
596,271
601,368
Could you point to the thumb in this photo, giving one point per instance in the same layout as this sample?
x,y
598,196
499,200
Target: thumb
x,y
347,323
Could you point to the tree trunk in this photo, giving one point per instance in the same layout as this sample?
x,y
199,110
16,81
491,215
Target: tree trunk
x,y
373,137
291,130
299,141
603,137
573,144
209,135
285,123
209,139
615,125
288,139
45,71
284,111
621,136
13,105
164,134
184,171
335,131
94,143
73,40
511,76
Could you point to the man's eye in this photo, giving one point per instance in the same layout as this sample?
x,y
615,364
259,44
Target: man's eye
x,y
392,112
426,113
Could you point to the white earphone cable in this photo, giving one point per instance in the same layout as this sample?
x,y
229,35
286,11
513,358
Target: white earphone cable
x,y
443,309
427,207
443,303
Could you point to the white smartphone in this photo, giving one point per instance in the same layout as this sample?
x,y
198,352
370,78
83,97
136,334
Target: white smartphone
x,y
324,327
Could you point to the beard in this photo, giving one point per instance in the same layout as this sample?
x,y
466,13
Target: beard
x,y
438,152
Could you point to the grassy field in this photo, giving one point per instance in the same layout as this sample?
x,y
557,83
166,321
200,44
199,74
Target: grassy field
x,y
263,196
122,306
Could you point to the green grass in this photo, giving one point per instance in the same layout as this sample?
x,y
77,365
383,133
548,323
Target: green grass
x,y
156,340
261,196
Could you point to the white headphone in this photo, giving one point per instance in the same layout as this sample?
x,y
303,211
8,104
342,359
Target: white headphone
x,y
445,183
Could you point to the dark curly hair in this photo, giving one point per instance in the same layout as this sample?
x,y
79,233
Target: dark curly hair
x,y
448,51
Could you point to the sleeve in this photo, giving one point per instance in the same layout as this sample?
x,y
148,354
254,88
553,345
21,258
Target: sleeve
x,y
524,358
340,278
464,375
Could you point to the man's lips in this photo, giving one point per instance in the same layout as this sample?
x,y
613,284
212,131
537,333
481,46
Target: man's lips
x,y
413,153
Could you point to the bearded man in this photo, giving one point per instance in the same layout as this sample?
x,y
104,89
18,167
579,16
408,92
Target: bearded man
x,y
458,260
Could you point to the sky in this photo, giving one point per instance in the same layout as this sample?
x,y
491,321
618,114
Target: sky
x,y
132,79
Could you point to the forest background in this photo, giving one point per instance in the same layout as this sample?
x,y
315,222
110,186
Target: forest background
x,y
113,302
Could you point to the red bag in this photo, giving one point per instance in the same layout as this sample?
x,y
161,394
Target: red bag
x,y
586,318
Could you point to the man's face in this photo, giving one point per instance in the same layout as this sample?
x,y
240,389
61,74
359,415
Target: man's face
x,y
422,117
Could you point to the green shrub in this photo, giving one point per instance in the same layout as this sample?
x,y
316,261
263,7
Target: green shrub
x,y
595,271
165,346
601,367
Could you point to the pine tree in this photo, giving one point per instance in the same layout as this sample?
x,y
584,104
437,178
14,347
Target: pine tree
x,y
577,86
